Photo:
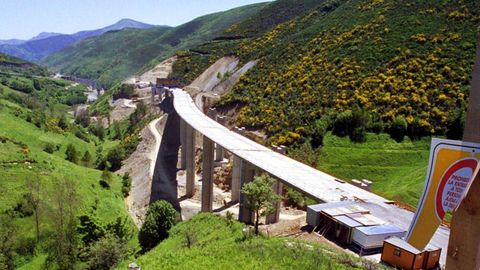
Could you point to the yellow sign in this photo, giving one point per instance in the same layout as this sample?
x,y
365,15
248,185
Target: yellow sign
x,y
451,168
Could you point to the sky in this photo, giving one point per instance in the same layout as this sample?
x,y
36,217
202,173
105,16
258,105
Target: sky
x,y
24,19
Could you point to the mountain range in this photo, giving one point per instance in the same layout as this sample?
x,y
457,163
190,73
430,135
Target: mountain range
x,y
47,43
111,57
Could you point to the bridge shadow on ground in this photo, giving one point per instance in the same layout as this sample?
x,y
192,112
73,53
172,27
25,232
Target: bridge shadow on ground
x,y
164,182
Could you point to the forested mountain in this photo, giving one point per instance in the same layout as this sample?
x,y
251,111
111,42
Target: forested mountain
x,y
112,57
45,43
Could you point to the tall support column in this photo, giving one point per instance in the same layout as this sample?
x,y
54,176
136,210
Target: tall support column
x,y
190,160
236,175
275,216
464,243
207,175
247,174
218,153
183,141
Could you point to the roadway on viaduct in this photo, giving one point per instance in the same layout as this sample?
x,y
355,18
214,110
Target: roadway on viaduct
x,y
306,179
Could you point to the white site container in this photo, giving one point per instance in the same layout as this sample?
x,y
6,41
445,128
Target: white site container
x,y
371,237
313,211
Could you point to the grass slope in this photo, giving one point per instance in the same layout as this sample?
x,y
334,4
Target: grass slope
x,y
50,170
218,244
114,56
23,159
396,169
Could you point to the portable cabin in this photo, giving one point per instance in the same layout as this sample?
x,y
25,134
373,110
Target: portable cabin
x,y
313,211
401,254
342,234
398,253
432,258
328,223
369,239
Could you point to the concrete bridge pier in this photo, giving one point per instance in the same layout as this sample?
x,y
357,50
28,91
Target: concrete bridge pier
x,y
207,175
189,146
246,176
275,216
183,142
219,151
236,175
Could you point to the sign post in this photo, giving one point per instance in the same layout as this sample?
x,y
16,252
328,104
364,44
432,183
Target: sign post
x,y
464,243
452,165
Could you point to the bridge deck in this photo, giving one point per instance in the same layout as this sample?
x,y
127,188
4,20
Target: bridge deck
x,y
316,184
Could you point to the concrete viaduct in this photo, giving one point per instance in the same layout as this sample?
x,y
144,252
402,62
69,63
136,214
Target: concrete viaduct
x,y
250,158
185,120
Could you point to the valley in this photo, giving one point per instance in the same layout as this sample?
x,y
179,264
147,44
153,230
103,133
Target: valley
x,y
141,144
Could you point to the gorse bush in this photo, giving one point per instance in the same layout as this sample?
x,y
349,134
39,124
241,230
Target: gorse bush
x,y
326,61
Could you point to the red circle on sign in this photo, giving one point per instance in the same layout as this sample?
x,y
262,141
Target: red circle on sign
x,y
468,163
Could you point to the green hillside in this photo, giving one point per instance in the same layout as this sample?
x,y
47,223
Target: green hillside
x,y
10,64
216,243
393,58
35,135
353,67
114,56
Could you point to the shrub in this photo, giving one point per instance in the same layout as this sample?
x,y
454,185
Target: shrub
x,y
126,184
297,199
89,229
320,127
161,216
49,147
87,159
71,153
348,122
342,124
377,127
115,157
105,253
104,184
456,124
398,129
359,135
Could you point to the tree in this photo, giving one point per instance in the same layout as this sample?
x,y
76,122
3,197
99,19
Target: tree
x,y
105,253
320,127
107,176
64,240
115,157
87,159
398,129
126,184
161,216
350,123
63,122
456,124
8,240
358,135
260,197
33,199
71,153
